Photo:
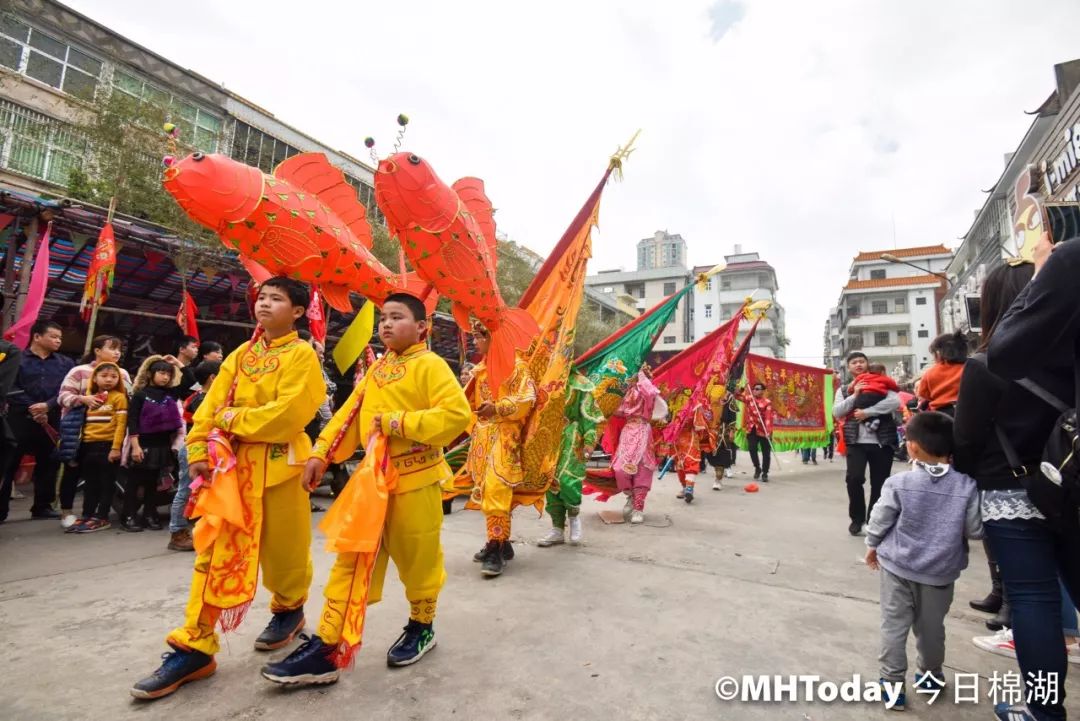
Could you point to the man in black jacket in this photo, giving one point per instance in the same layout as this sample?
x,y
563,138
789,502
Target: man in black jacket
x,y
32,405
867,446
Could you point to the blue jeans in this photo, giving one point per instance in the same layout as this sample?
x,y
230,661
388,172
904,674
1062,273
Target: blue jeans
x,y
177,522
1032,557
808,453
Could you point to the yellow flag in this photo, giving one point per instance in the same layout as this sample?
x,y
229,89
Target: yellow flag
x,y
356,338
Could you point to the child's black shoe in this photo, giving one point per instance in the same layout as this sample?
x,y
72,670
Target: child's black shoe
x,y
417,640
177,668
309,664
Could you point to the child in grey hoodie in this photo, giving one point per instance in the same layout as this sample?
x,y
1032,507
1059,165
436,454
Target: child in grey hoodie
x,y
916,537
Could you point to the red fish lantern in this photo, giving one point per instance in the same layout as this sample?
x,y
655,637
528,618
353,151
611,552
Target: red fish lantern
x,y
448,234
304,222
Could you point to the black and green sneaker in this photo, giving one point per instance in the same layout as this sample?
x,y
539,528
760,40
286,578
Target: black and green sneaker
x,y
418,639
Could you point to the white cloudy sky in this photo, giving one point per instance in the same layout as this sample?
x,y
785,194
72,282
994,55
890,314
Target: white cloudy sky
x,y
804,130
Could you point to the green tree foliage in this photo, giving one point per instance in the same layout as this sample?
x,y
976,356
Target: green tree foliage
x,y
124,147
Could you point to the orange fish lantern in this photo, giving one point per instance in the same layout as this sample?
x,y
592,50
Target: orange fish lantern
x,y
448,234
304,221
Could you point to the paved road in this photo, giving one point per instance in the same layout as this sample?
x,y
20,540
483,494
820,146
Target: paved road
x,y
637,623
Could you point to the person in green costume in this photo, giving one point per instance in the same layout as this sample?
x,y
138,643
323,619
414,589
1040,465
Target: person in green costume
x,y
579,438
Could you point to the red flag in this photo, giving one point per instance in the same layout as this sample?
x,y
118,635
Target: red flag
x,y
185,317
317,317
19,332
99,276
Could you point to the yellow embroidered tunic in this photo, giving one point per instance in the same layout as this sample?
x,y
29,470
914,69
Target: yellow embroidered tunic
x,y
423,409
496,442
279,387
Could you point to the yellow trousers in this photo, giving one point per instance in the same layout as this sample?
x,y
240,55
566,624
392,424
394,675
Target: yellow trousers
x,y
284,558
412,539
495,503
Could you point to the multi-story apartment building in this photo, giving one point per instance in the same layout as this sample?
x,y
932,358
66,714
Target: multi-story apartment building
x,y
1042,169
745,275
889,310
55,63
832,358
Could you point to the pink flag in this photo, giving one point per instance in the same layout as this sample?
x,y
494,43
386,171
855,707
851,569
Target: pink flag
x,y
19,332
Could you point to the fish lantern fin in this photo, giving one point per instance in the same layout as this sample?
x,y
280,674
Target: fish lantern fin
x,y
458,261
312,173
257,271
337,296
516,332
417,286
472,195
461,317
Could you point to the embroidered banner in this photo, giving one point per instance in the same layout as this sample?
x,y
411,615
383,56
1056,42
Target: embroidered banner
x,y
802,398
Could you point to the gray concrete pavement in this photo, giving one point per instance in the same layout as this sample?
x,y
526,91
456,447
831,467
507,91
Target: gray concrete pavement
x,y
637,623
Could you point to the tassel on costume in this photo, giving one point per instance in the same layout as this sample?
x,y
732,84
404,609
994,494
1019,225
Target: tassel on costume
x,y
229,619
344,654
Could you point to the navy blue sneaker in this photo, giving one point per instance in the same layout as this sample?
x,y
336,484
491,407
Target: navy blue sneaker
x,y
281,630
898,702
177,668
688,494
418,639
309,664
1005,712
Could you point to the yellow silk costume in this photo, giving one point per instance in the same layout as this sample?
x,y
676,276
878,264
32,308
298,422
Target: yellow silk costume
x,y
276,388
495,449
423,409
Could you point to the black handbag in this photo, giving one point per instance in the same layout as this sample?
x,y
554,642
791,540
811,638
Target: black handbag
x,y
1053,487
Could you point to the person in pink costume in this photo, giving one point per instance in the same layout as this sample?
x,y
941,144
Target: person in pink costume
x,y
634,460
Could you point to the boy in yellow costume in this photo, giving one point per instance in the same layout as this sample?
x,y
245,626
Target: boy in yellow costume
x,y
412,397
255,512
495,451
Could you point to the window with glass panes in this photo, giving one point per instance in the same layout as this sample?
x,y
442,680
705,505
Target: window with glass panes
x,y
881,338
36,145
879,306
261,150
366,194
198,127
44,58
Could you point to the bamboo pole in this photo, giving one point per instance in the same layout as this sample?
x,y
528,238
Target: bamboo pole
x,y
8,316
27,264
96,303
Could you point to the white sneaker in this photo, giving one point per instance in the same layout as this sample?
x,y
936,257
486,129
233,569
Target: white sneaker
x,y
628,509
68,520
717,485
553,537
637,517
1000,643
575,530
728,473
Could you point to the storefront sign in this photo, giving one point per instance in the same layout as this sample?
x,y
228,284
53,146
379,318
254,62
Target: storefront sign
x,y
1057,172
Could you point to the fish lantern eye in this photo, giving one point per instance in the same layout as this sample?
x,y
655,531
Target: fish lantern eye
x,y
197,157
414,159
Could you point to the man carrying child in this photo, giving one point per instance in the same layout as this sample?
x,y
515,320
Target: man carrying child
x,y
866,445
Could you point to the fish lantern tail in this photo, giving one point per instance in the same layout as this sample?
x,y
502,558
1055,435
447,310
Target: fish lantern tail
x,y
515,333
